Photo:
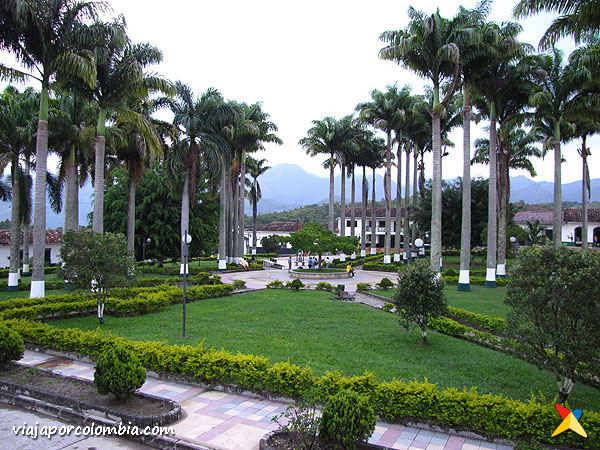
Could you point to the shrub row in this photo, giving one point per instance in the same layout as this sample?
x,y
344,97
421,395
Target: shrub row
x,y
50,285
456,252
492,324
454,273
490,415
47,270
381,267
262,255
174,271
475,281
145,302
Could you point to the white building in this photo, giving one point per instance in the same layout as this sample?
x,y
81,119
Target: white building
x,y
53,245
379,227
571,224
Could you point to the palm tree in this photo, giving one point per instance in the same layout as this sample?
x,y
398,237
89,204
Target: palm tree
x,y
425,47
558,99
255,169
17,126
45,36
578,18
383,112
196,121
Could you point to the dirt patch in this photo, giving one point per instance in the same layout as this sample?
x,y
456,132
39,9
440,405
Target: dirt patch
x,y
290,441
83,391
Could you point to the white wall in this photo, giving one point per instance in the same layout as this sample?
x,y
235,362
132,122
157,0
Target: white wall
x,y
5,254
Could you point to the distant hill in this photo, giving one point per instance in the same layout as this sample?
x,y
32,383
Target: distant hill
x,y
530,191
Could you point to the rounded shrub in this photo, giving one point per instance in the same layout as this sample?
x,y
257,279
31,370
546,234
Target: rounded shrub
x,y
347,418
119,372
385,283
11,346
295,284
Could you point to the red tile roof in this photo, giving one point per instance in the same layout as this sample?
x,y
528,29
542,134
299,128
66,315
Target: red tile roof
x,y
379,212
522,217
52,236
576,215
286,227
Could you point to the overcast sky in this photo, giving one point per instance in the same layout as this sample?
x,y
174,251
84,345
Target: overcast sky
x,y
305,61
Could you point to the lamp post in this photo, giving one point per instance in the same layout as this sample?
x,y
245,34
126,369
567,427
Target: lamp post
x,y
185,239
419,244
515,244
144,244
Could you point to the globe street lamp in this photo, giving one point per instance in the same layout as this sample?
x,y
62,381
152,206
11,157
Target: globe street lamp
x,y
419,244
185,240
144,244
515,244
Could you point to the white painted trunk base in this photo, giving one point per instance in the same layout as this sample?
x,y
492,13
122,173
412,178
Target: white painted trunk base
x,y
363,253
343,257
373,251
490,275
463,277
405,255
353,256
253,252
222,264
182,268
13,281
387,259
501,270
25,268
38,289
397,257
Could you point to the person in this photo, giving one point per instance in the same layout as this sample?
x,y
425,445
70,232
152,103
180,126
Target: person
x,y
310,263
327,263
350,270
290,263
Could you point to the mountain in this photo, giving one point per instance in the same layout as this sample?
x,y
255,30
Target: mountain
x,y
530,191
288,186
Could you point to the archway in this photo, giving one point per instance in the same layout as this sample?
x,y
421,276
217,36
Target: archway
x,y
596,237
578,236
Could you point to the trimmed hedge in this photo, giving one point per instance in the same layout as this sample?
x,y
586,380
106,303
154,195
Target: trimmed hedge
x,y
381,267
489,415
475,281
47,270
493,324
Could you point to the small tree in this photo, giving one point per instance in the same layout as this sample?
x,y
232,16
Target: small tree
x,y
271,243
98,260
420,296
11,346
316,239
555,298
119,372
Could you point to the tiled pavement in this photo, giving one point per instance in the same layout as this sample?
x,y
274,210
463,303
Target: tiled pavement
x,y
228,421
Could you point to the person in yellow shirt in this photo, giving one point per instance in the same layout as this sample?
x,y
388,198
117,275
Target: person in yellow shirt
x,y
350,270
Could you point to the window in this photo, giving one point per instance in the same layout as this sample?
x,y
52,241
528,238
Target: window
x,y
382,223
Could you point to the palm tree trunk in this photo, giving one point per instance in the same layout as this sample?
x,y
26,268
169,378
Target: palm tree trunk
x,y
185,218
436,196
388,203
503,162
343,207
15,229
131,215
363,221
254,214
223,218
464,278
398,205
414,196
236,217
100,147
241,213
557,211
26,270
407,246
353,205
490,278
331,192
585,180
72,185
39,213
373,219
229,203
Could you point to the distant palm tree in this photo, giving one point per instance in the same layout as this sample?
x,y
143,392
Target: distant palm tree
x,y
255,169
578,18
426,47
45,36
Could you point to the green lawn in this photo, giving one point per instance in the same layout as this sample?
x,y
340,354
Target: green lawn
x,y
309,329
481,299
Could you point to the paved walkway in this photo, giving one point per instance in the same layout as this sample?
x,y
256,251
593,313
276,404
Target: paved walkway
x,y
226,421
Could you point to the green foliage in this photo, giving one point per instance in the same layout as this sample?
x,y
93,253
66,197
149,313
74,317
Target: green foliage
x,y
324,286
492,415
11,346
158,215
452,210
317,240
420,296
102,258
119,372
387,307
271,243
348,418
302,418
555,299
475,281
295,284
275,284
363,286
492,324
381,267
385,283
239,284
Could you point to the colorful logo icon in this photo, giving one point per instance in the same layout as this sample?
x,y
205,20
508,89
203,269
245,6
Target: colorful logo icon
x,y
570,421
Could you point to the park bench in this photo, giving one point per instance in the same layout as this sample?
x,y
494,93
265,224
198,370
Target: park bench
x,y
343,295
